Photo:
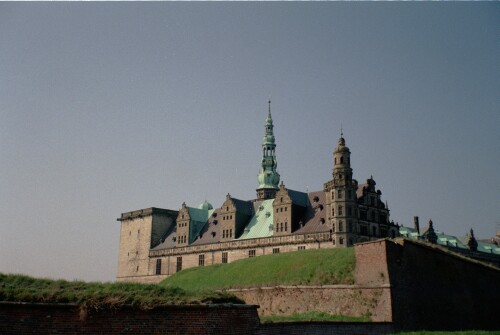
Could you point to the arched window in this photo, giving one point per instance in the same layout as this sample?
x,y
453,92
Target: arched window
x,y
341,160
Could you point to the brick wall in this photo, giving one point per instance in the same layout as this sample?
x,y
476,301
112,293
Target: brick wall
x,y
431,287
21,318
326,328
352,300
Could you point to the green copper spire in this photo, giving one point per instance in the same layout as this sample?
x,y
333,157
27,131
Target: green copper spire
x,y
269,178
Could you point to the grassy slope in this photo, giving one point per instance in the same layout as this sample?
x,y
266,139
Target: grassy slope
x,y
309,267
21,288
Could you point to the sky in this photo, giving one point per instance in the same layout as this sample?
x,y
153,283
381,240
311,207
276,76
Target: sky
x,y
111,107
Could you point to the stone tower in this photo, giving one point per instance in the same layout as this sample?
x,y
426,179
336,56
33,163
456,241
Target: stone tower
x,y
269,177
340,193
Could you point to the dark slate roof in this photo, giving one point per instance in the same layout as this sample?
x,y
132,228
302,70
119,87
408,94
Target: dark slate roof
x,y
168,240
210,232
299,198
315,216
243,206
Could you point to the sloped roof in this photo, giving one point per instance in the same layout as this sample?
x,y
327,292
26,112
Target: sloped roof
x,y
242,206
315,217
199,218
168,241
299,198
408,232
261,223
210,232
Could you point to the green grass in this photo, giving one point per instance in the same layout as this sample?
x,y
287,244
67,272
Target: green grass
x,y
308,267
20,288
467,332
312,316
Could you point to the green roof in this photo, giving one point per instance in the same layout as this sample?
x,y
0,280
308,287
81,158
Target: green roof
x,y
489,248
199,218
261,224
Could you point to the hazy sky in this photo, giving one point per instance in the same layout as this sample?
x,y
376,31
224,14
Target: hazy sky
x,y
111,107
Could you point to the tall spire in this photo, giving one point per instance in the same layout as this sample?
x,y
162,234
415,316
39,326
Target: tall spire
x,y
268,177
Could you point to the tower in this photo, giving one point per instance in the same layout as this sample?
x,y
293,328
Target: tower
x,y
340,193
268,177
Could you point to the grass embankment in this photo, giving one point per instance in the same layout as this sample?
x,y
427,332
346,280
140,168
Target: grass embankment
x,y
20,288
308,267
312,316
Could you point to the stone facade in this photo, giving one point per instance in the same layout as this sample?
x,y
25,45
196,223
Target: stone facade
x,y
156,243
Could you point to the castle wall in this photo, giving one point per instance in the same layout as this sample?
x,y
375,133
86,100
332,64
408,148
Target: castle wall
x,y
40,319
213,254
135,241
351,300
431,287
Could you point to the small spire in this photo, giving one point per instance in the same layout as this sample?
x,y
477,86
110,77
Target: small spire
x,y
472,243
341,131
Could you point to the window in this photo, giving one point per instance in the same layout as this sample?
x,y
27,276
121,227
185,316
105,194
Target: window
x,y
333,211
341,240
158,266
179,264
201,260
341,226
301,247
339,194
277,209
224,257
363,230
137,268
374,231
276,250
286,226
340,210
372,201
251,253
349,210
341,160
281,226
349,194
349,225
286,208
230,233
333,195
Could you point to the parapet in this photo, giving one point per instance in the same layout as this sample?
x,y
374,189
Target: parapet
x,y
146,212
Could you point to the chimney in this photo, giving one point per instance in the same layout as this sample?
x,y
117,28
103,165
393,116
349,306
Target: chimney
x,y
416,225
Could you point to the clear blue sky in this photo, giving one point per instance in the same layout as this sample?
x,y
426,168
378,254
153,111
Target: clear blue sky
x,y
111,107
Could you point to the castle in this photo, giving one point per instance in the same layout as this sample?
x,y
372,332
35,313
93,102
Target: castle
x,y
156,243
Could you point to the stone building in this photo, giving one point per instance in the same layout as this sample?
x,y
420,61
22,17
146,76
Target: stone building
x,y
156,243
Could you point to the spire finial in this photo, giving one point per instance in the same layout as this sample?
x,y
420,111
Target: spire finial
x,y
341,132
269,101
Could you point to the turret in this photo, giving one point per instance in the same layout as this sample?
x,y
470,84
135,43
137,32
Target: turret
x,y
268,177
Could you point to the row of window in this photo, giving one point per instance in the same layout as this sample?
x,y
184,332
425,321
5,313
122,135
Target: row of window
x,y
227,233
227,217
279,227
181,239
340,194
281,209
341,160
201,259
183,224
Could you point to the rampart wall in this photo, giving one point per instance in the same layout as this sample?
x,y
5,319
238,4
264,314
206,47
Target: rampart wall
x,y
352,300
431,287
40,319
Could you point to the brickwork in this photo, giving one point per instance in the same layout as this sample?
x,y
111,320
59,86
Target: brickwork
x,y
352,300
43,319
327,328
431,287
